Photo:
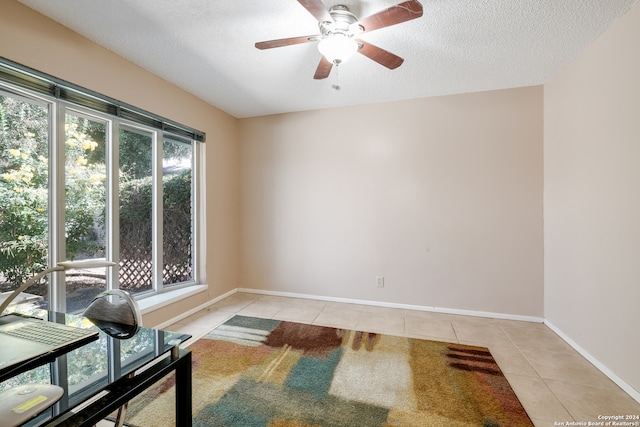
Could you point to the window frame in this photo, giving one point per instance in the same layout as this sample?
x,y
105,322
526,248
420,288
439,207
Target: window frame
x,y
58,110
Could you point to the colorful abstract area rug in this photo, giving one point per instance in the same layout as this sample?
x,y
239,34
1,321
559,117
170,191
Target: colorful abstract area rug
x,y
252,372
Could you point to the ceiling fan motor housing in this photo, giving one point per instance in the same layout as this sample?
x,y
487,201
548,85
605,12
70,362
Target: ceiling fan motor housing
x,y
343,22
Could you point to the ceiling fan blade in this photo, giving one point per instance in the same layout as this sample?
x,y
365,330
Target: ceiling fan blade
x,y
269,44
402,12
323,70
381,56
317,9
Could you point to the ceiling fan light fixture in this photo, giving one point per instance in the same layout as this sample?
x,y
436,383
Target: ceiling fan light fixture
x,y
337,48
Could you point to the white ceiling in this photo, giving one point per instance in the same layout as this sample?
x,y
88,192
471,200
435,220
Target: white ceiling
x,y
207,47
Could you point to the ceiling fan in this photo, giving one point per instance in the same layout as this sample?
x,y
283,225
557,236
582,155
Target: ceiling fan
x,y
339,29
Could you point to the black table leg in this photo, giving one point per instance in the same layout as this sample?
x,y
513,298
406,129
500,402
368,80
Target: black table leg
x,y
183,392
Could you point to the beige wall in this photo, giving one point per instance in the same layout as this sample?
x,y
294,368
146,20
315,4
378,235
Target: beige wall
x,y
441,196
592,199
31,39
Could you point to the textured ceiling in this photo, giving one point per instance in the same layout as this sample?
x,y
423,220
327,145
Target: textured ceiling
x,y
207,47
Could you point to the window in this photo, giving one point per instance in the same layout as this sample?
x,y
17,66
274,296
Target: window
x,y
24,196
136,210
85,194
177,218
127,179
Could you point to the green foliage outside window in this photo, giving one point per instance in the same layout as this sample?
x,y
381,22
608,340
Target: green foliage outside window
x,y
24,193
23,188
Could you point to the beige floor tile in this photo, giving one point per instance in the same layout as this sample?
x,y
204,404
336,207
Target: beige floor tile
x,y
429,315
235,302
537,399
346,318
537,337
566,367
506,323
192,318
263,308
195,331
429,325
585,403
309,303
471,320
303,313
481,334
431,338
276,298
379,310
344,306
208,318
197,325
391,323
511,361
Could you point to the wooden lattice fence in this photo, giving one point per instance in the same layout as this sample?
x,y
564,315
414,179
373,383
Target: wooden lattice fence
x,y
136,234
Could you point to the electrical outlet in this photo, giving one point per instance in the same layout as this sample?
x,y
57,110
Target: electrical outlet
x,y
380,281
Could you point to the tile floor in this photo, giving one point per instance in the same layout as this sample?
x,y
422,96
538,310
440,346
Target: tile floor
x,y
555,384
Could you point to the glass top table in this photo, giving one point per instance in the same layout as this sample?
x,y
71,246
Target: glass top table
x,y
99,367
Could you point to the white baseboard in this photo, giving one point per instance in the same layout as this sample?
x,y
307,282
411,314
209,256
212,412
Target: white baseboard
x,y
396,305
595,362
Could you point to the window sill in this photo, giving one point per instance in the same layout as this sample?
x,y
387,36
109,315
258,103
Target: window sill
x,y
164,299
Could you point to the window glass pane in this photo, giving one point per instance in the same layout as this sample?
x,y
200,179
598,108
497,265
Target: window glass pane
x,y
88,363
85,207
136,211
177,217
39,375
24,182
